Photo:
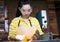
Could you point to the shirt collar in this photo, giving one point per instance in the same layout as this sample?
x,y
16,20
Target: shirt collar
x,y
22,18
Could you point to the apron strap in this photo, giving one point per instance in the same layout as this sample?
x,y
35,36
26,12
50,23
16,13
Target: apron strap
x,y
29,22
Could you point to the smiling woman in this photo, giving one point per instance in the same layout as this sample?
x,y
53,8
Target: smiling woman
x,y
24,27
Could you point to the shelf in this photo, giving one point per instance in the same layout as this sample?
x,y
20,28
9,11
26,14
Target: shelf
x,y
3,14
2,11
1,20
1,3
1,7
2,24
1,30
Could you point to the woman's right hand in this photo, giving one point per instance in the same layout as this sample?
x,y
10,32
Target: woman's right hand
x,y
13,37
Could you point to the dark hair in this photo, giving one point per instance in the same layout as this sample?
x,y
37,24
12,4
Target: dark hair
x,y
20,3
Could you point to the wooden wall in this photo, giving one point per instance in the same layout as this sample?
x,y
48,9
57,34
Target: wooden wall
x,y
11,7
52,19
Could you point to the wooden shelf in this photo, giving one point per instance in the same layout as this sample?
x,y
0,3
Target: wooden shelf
x,y
52,18
1,30
1,7
2,16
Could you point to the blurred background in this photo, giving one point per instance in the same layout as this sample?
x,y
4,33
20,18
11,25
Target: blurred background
x,y
46,11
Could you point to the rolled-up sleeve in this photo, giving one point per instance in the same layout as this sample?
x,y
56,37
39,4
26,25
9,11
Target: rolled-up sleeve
x,y
38,26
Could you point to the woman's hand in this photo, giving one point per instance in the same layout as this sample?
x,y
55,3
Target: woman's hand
x,y
13,37
34,38
26,30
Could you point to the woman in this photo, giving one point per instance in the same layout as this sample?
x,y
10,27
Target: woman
x,y
24,20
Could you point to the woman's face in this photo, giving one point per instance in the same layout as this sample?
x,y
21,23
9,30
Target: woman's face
x,y
26,10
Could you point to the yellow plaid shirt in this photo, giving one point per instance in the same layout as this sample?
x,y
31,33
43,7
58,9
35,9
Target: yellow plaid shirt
x,y
15,21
